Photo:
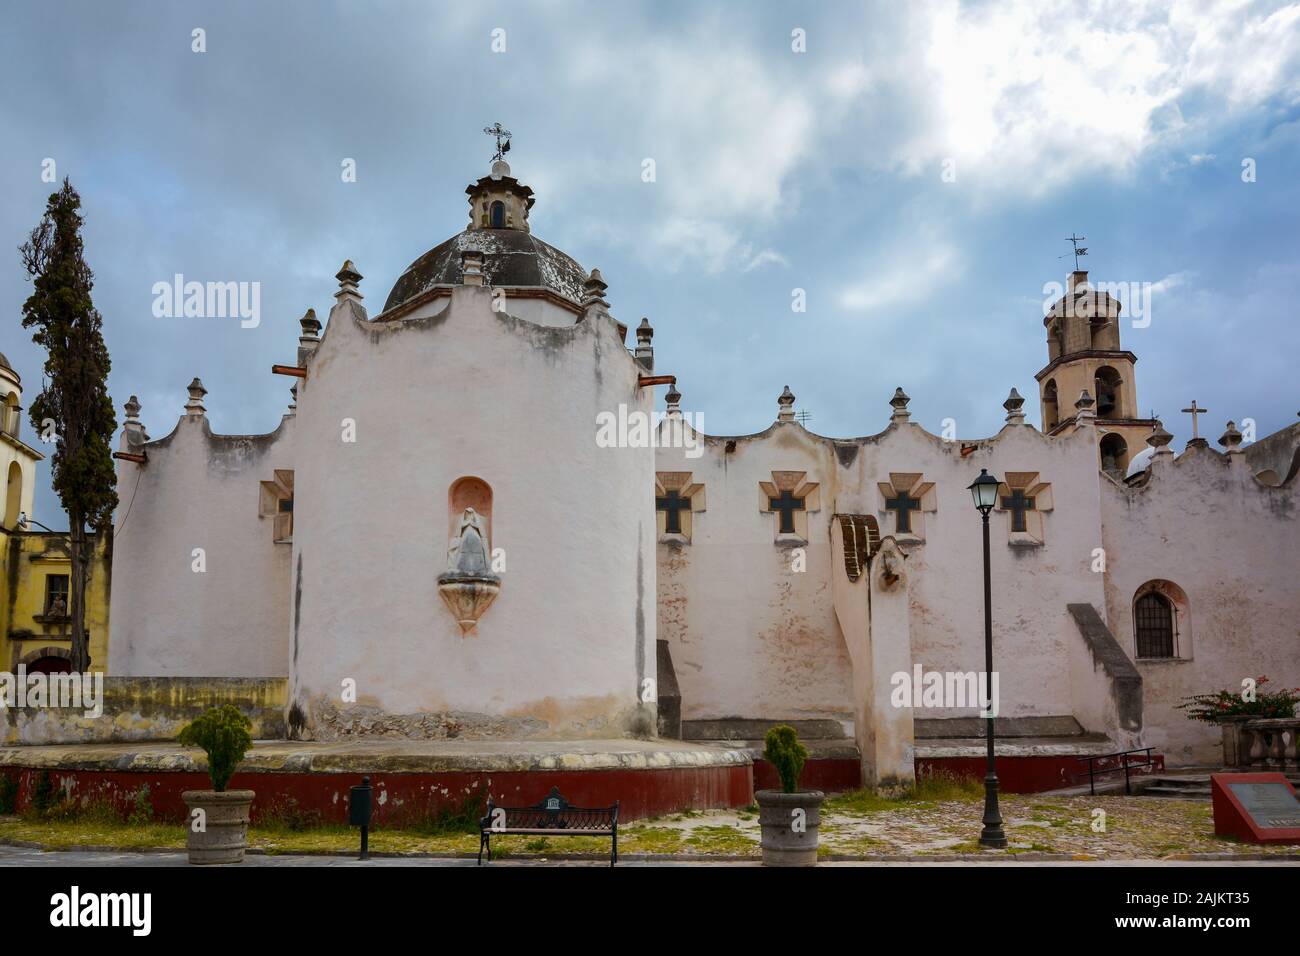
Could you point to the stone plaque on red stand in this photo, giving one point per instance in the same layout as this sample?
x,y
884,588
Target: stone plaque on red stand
x,y
1255,807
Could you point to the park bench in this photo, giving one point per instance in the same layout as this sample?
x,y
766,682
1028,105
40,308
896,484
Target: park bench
x,y
554,816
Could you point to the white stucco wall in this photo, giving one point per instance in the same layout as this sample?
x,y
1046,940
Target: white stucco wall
x,y
751,638
200,490
472,392
1232,545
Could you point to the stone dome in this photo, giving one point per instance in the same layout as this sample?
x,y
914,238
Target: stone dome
x,y
512,258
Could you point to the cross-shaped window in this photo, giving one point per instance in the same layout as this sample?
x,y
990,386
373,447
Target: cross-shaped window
x,y
787,504
903,505
1018,503
672,504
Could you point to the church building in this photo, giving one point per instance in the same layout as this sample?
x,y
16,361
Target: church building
x,y
392,547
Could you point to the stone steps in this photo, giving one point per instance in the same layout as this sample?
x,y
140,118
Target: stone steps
x,y
1187,786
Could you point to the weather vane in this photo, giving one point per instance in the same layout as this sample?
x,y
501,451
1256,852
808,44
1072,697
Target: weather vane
x,y
1074,241
503,139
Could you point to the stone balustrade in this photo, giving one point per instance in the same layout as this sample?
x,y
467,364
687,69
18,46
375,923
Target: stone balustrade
x,y
1264,744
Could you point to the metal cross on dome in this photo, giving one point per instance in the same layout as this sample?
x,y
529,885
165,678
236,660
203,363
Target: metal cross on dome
x,y
503,139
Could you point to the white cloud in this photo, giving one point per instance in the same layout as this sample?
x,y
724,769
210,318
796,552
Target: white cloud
x,y
904,280
1029,94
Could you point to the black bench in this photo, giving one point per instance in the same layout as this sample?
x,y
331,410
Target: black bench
x,y
554,816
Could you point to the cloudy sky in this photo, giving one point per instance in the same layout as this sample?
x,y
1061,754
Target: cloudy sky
x,y
914,170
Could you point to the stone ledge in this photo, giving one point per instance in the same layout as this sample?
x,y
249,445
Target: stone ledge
x,y
385,756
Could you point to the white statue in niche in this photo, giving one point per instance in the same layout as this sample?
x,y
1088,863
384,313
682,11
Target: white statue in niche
x,y
468,586
467,554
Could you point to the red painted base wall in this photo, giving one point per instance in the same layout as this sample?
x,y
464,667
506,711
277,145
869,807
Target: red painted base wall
x,y
1028,774
406,798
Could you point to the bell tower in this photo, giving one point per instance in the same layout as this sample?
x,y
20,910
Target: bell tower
x,y
1084,354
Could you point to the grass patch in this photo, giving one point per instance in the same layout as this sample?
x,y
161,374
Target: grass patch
x,y
942,787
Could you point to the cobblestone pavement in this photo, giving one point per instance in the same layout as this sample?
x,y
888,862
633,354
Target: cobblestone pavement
x,y
22,856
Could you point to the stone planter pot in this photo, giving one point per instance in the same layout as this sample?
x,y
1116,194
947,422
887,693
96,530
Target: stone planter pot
x,y
224,836
789,837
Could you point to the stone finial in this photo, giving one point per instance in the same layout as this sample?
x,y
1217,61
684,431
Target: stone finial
x,y
593,291
310,325
674,400
194,407
593,296
785,406
899,404
293,399
132,408
1014,405
471,267
1231,440
500,169
645,353
348,277
310,337
1084,405
1159,440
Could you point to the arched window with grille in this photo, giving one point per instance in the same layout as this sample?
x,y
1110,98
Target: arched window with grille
x,y
1160,615
498,215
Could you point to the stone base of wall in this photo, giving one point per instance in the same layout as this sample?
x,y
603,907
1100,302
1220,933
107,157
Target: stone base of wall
x,y
150,708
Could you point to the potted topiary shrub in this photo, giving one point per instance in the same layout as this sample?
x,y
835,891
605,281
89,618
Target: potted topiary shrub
x,y
218,818
789,817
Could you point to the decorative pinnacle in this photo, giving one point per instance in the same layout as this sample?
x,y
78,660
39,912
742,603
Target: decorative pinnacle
x,y
899,404
1085,401
195,405
644,333
1013,405
310,325
348,277
132,407
593,291
1159,439
1231,440
786,405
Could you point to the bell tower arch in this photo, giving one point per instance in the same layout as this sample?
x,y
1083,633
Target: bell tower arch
x,y
1084,353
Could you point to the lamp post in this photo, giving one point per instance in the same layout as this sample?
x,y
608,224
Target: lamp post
x,y
984,490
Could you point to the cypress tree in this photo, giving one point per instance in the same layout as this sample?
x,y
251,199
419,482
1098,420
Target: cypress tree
x,y
74,403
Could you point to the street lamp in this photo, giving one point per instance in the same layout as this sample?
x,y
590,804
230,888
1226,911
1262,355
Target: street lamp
x,y
984,490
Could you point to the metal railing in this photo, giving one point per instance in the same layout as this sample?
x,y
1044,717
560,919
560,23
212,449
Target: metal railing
x,y
1124,764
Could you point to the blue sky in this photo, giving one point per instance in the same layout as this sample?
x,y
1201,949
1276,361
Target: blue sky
x,y
821,170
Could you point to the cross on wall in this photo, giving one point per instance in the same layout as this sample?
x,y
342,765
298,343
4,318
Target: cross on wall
x,y
786,504
902,504
1017,503
672,504
791,498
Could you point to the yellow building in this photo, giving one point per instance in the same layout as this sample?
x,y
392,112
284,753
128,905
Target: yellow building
x,y
36,571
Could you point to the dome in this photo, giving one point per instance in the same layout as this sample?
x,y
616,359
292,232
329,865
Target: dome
x,y
1139,462
512,258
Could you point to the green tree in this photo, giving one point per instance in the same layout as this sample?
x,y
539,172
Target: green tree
x,y
74,402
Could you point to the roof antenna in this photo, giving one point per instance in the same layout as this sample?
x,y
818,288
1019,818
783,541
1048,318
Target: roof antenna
x,y
1071,238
